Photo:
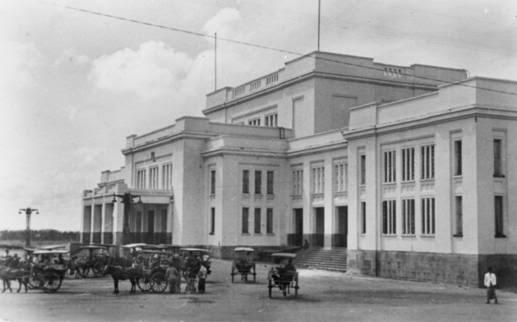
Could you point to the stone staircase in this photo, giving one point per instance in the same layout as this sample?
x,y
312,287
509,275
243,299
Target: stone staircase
x,y
324,259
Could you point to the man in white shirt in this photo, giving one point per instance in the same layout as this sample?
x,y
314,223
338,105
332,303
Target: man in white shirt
x,y
490,284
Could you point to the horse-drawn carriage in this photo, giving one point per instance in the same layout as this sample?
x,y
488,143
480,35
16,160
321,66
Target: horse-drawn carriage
x,y
244,263
153,264
193,259
48,269
284,276
90,260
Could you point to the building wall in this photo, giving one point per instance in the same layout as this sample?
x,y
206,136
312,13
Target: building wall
x,y
490,186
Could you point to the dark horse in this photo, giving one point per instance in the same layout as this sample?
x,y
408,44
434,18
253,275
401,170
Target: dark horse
x,y
20,274
119,270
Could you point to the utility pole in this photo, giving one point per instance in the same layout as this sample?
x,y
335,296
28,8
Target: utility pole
x,y
319,22
28,211
215,61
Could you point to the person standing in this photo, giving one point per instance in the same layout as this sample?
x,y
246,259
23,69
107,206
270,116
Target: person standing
x,y
172,276
490,284
201,279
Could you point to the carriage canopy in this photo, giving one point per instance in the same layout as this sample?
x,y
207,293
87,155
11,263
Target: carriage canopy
x,y
243,249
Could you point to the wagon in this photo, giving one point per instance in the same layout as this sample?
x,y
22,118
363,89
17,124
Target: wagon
x,y
243,263
90,259
284,276
153,264
203,254
49,271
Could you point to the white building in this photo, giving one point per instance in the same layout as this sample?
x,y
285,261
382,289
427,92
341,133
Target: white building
x,y
414,178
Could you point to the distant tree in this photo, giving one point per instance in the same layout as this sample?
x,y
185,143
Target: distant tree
x,y
40,235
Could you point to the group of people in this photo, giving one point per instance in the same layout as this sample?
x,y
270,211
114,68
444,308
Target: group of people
x,y
192,268
11,261
193,271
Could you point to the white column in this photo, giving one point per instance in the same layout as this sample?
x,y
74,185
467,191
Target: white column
x,y
92,220
103,219
329,208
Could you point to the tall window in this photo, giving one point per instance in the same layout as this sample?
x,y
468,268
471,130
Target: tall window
x,y
245,220
318,179
340,176
458,164
138,222
498,158
408,216
245,181
212,182
408,164
258,182
269,221
458,201
363,217
297,182
389,217
362,170
257,221
271,120
140,179
427,161
153,178
390,168
212,221
499,220
167,176
428,216
163,222
254,122
270,182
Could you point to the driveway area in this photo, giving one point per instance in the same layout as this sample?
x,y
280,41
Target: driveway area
x,y
323,296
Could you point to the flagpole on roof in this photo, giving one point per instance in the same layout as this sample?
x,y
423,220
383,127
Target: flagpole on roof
x,y
319,22
215,61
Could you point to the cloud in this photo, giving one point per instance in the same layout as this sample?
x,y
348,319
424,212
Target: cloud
x,y
222,22
71,56
17,62
150,71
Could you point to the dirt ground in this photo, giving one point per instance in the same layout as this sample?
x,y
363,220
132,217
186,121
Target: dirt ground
x,y
324,296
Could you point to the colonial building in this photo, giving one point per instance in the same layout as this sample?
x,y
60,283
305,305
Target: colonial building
x,y
414,177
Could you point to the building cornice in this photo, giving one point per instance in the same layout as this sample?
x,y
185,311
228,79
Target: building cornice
x,y
168,139
243,152
316,74
469,111
318,149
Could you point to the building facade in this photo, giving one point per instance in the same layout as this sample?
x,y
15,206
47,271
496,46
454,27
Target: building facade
x,y
413,177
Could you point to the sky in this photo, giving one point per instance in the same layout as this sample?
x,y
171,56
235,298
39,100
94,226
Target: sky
x,y
74,85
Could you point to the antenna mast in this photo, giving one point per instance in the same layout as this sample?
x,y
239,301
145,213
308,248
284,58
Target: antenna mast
x,y
215,61
319,22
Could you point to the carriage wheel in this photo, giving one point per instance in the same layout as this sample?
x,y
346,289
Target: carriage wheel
x,y
144,284
270,286
34,281
83,271
97,270
51,282
158,282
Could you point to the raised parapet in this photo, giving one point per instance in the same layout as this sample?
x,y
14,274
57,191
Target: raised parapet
x,y
111,176
363,116
130,141
437,75
87,193
219,96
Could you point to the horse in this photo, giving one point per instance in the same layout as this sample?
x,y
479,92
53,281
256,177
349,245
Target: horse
x,y
20,274
122,272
